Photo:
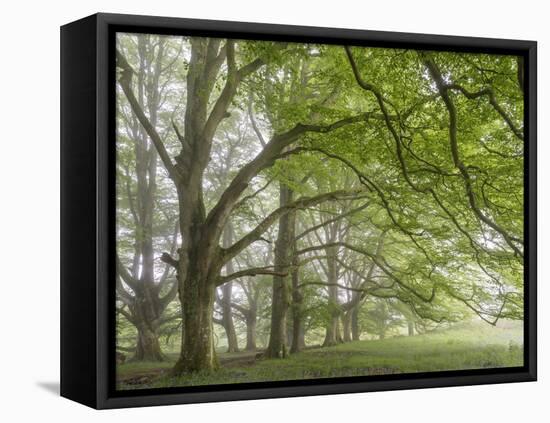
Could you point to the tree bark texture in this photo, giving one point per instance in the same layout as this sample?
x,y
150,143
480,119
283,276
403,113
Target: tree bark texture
x,y
277,346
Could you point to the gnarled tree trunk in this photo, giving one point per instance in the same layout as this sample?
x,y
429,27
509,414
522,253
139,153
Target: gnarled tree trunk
x,y
199,269
148,345
197,350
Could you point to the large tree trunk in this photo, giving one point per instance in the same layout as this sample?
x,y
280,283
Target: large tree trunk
x,y
197,351
298,335
277,346
350,319
346,326
199,266
333,335
251,320
148,345
197,282
350,323
199,269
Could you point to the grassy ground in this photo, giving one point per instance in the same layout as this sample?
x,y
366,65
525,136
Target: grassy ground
x,y
462,347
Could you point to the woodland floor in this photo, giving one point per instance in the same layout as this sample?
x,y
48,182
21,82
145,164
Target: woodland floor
x,y
462,347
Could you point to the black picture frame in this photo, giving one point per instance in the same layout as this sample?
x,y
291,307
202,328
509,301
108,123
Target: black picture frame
x,y
87,211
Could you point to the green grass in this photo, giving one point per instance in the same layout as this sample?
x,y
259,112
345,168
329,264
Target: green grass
x,y
132,368
468,346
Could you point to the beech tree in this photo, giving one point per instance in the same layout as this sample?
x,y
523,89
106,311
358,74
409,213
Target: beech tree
x,y
390,176
143,295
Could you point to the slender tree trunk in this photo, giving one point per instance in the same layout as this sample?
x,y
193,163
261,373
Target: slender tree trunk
x,y
355,330
289,334
333,335
298,332
277,346
410,327
227,319
147,307
227,312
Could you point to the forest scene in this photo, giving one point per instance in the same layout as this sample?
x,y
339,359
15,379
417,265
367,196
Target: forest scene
x,y
289,211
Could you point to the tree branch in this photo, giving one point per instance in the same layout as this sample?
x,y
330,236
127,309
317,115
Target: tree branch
x,y
127,315
234,77
334,219
125,81
250,272
378,261
492,100
254,125
256,233
266,158
125,296
453,140
168,259
240,308
170,295
126,277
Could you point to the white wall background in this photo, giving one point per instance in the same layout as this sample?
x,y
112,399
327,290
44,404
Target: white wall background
x,y
29,209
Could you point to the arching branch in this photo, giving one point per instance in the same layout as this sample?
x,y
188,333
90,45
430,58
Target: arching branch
x,y
254,271
443,89
125,275
489,93
125,81
379,262
256,233
266,158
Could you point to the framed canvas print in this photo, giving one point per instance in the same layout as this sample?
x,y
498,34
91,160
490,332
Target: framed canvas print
x,y
254,211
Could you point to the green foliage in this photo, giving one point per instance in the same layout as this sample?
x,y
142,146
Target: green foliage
x,y
429,147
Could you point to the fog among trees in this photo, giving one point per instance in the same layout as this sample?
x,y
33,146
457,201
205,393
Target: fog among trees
x,y
281,201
